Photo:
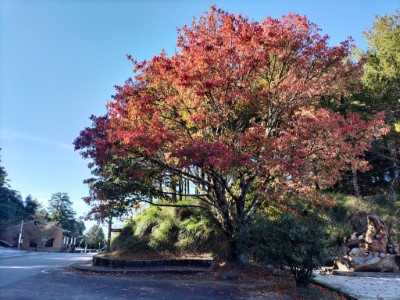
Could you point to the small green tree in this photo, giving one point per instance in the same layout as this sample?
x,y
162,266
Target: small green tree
x,y
296,241
95,236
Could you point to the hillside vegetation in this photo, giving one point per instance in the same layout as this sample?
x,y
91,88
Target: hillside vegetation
x,y
189,230
170,229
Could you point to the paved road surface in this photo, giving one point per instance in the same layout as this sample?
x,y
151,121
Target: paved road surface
x,y
30,276
34,275
16,265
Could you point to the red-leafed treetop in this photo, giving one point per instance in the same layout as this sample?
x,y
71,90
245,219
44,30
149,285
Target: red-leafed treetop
x,y
237,113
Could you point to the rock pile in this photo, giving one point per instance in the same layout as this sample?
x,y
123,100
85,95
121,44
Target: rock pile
x,y
371,251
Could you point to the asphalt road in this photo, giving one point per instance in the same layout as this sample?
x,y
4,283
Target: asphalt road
x,y
15,266
45,276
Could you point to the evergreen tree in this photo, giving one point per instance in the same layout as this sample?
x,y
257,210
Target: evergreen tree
x,y
61,212
42,214
94,236
31,205
12,210
382,79
60,209
3,175
78,226
380,92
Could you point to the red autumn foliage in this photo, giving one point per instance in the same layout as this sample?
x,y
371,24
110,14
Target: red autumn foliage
x,y
235,111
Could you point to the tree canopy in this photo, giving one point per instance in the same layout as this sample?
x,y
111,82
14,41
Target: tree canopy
x,y
382,70
382,79
12,208
3,175
32,206
95,236
236,113
61,212
381,93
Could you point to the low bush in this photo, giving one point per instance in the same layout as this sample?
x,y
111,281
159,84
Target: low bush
x,y
198,233
171,229
127,240
292,241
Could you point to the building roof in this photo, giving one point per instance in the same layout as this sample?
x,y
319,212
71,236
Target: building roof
x,y
45,223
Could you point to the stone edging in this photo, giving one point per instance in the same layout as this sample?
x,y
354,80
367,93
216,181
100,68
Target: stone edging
x,y
367,274
123,271
334,288
118,263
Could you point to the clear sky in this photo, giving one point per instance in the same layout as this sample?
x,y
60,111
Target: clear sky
x,y
59,61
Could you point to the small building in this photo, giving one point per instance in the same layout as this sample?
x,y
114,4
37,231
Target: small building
x,y
38,235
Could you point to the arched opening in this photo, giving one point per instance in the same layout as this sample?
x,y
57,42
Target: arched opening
x,y
49,242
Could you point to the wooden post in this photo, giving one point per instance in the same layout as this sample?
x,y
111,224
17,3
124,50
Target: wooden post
x,y
20,235
109,234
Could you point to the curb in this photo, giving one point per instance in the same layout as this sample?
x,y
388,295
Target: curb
x,y
335,289
367,274
90,268
99,261
87,267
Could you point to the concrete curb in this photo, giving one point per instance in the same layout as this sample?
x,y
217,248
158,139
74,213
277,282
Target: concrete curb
x,y
367,274
120,264
334,288
87,267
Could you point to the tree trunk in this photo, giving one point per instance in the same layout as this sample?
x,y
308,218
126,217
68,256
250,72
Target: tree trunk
x,y
232,255
172,189
180,188
187,187
394,185
356,187
236,248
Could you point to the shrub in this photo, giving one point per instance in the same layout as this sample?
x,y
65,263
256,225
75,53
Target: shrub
x,y
171,229
164,235
197,233
127,241
289,240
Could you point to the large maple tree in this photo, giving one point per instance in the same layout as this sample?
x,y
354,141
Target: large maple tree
x,y
236,114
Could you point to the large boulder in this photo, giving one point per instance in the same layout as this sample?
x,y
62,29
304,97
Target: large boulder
x,y
370,251
361,260
376,237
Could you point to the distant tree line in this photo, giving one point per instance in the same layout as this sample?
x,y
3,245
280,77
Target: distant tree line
x,y
13,209
379,91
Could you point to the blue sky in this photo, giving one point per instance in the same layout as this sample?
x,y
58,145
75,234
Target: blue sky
x,y
59,61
